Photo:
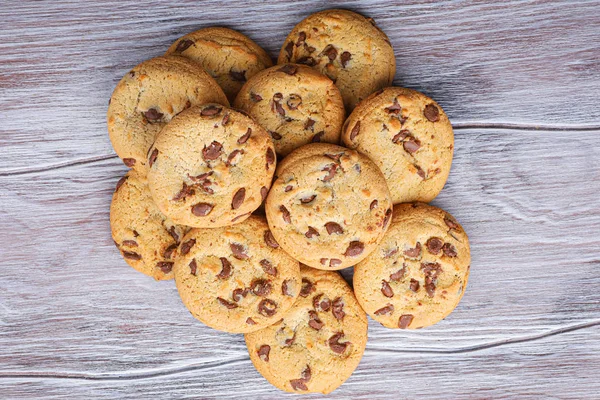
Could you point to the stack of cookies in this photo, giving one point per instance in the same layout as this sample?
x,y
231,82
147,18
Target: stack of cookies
x,y
252,208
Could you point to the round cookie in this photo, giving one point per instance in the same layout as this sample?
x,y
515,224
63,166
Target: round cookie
x,y
148,97
295,104
236,278
418,273
227,55
146,238
346,47
408,136
329,210
211,166
318,343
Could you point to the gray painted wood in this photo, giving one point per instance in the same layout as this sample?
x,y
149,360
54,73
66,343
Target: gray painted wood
x,y
76,321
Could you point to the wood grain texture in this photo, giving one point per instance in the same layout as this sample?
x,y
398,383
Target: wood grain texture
x,y
520,81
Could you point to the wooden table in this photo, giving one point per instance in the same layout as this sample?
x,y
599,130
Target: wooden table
x,y
521,83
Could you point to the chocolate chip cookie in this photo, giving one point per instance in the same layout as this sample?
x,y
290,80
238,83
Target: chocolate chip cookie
x,y
148,97
318,343
408,136
346,47
211,166
295,104
418,273
236,278
146,238
329,207
227,55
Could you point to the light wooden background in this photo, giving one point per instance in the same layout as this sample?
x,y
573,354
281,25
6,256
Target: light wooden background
x,y
520,81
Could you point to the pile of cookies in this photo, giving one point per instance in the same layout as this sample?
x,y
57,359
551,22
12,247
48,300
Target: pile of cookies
x,y
252,208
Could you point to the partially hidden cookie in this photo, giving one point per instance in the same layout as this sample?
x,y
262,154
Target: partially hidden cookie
x,y
347,47
227,55
236,278
418,273
147,239
318,343
329,207
211,166
408,136
148,97
295,104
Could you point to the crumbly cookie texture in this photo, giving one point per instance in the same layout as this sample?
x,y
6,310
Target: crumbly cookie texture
x,y
329,207
146,238
148,97
318,343
211,166
236,278
227,55
295,104
408,136
347,47
418,273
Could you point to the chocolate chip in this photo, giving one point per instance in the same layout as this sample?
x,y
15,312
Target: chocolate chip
x,y
386,289
185,191
130,162
275,135
130,255
267,307
395,108
301,38
314,321
335,345
268,267
183,45
414,285
321,305
309,124
187,246
334,262
135,233
449,250
432,113
226,303
193,266
226,269
238,76
317,137
212,151
121,182
434,245
130,243
450,222
306,200
174,234
255,97
420,172
345,57
354,249
431,271
202,209
241,216
152,158
398,275
238,198
412,145
334,157
285,214
263,193
294,101
225,119
323,260
373,204
250,321
270,157
286,289
331,169
405,320
312,232
389,253
307,288
243,139
153,115
233,155
211,110
400,136
333,227
355,131
289,48
263,352
165,266
261,287
337,308
414,252
289,69
307,60
298,384
389,309
239,251
238,294
290,341
169,250
270,240
330,52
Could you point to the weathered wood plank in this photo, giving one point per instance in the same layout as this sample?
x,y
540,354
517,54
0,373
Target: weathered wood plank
x,y
525,63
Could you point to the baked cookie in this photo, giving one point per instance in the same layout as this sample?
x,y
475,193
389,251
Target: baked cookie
x,y
318,343
418,273
408,136
148,97
227,55
210,166
146,238
295,104
236,278
330,209
346,47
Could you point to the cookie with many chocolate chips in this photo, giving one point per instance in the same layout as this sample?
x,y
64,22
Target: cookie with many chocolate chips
x,y
295,104
236,278
408,136
227,55
418,273
347,47
318,343
329,207
211,166
148,97
146,238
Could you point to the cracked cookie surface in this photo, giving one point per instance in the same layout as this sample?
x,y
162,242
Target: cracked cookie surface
x,y
345,46
148,97
329,206
295,104
318,343
236,278
408,136
227,55
146,238
211,166
419,272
